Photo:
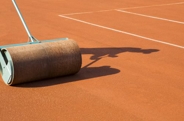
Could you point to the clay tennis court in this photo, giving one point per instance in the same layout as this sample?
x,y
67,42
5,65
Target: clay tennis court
x,y
133,61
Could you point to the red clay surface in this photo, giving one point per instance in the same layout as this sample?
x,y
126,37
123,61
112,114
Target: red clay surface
x,y
123,77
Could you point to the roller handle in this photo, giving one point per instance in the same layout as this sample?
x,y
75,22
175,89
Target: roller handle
x,y
31,38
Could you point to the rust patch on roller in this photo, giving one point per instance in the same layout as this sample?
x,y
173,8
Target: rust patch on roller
x,y
45,60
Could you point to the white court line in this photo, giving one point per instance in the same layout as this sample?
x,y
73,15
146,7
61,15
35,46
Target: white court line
x,y
169,4
89,12
148,16
123,32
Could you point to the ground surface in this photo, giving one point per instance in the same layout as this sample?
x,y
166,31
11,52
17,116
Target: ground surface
x,y
133,60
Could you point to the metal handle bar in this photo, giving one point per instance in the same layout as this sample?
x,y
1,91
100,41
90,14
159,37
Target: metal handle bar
x,y
31,38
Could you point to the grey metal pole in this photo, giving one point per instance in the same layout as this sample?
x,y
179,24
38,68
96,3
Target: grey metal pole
x,y
32,39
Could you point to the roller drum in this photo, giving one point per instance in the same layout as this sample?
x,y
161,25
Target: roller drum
x,y
42,61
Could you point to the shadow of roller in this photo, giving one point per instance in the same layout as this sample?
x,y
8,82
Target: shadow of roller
x,y
91,72
85,73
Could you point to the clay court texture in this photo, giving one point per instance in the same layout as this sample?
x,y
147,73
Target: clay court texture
x,y
133,60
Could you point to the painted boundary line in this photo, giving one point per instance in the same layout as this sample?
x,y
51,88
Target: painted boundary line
x,y
123,32
169,4
88,12
148,16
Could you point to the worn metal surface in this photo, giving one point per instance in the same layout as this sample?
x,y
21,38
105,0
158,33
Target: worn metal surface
x,y
41,61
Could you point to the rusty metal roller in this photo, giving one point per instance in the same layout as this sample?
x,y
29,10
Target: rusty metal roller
x,y
38,60
41,61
